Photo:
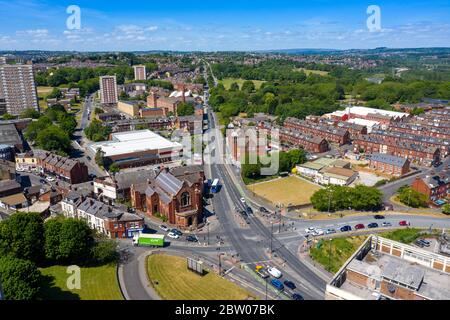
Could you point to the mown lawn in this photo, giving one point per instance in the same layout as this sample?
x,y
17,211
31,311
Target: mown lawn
x,y
228,81
99,283
291,190
173,281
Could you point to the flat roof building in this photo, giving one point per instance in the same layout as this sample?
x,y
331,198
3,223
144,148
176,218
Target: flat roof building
x,y
383,269
138,148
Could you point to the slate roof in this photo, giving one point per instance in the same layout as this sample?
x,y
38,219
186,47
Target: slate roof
x,y
388,159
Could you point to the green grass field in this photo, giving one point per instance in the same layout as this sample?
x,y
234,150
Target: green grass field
x,y
173,281
228,81
99,283
291,190
333,254
308,72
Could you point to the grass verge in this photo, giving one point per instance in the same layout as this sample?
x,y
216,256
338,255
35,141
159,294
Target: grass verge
x,y
173,281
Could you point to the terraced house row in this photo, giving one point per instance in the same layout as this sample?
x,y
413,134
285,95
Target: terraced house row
x,y
325,131
413,151
391,137
290,137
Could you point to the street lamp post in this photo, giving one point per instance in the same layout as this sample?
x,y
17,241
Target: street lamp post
x,y
271,238
208,233
329,254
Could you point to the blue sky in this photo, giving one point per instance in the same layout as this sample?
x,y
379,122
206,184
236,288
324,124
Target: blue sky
x,y
221,25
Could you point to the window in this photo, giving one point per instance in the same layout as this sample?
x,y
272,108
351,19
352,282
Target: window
x,y
185,199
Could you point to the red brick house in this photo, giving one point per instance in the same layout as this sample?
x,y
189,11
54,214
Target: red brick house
x,y
325,131
435,188
307,142
68,170
392,165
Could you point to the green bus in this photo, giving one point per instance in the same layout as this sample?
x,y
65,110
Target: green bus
x,y
149,240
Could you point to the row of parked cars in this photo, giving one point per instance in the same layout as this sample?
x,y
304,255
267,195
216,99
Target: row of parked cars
x,y
276,282
320,232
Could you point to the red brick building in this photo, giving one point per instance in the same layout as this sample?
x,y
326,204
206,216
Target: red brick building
x,y
413,151
434,187
308,142
327,132
392,165
175,196
68,170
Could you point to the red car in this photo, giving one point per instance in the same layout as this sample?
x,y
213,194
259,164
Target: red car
x,y
359,226
404,223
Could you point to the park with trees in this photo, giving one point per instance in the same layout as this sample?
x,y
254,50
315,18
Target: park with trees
x,y
28,244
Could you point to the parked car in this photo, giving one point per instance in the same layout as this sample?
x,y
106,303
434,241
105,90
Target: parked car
x,y
263,210
277,284
244,214
373,225
425,242
346,229
379,217
177,232
386,224
42,181
88,158
318,232
330,231
191,238
404,223
173,235
290,284
261,272
310,230
164,228
274,272
50,179
243,200
419,244
296,296
360,226
249,210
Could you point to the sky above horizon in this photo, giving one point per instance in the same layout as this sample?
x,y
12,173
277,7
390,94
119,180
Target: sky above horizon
x,y
222,25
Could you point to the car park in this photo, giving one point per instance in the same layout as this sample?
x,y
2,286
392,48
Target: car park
x,y
330,231
419,244
373,225
404,223
360,226
297,296
346,229
386,224
277,284
173,235
290,284
274,272
379,217
164,228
